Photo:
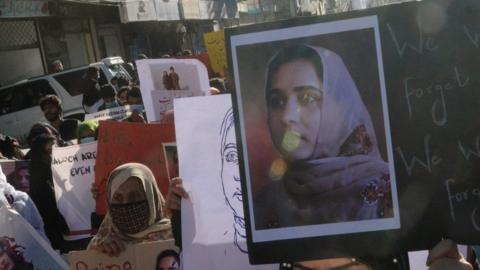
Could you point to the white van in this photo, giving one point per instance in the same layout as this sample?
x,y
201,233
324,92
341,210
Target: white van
x,y
19,109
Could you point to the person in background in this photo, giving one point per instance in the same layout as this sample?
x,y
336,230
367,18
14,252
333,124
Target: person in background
x,y
22,203
168,260
56,66
187,53
134,97
136,210
122,95
90,88
10,148
41,141
52,109
218,83
87,131
20,177
123,81
108,95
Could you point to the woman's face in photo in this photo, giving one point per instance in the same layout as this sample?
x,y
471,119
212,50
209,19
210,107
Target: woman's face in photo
x,y
23,180
294,103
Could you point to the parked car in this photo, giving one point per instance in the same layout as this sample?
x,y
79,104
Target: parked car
x,y
19,108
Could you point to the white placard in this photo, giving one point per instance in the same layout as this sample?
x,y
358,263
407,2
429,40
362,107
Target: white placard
x,y
117,113
213,230
73,170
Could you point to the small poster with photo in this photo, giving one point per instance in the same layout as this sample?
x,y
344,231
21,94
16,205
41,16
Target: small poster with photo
x,y
17,173
186,75
171,159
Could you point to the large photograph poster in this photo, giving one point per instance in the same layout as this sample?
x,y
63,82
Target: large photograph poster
x,y
351,66
324,122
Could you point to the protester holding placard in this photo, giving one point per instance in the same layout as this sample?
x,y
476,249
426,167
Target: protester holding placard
x,y
122,95
136,210
107,93
134,97
87,131
42,190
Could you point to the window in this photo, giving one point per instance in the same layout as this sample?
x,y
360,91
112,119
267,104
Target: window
x,y
23,96
72,81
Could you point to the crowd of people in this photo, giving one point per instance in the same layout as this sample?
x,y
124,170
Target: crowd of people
x,y
137,211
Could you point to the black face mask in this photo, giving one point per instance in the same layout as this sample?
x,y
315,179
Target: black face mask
x,y
130,218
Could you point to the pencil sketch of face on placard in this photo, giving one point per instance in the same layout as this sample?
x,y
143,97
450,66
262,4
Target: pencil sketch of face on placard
x,y
231,178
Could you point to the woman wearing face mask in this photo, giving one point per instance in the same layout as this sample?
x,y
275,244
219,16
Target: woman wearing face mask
x,y
87,131
136,210
323,132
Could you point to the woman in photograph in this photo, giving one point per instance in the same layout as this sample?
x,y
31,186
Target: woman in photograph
x,y
136,210
330,169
